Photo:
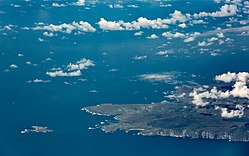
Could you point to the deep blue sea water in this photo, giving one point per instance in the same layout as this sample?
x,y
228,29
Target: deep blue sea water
x,y
58,106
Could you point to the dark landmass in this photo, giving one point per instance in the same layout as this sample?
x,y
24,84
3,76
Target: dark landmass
x,y
177,119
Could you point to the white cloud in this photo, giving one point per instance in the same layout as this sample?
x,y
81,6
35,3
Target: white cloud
x,y
80,2
16,5
80,26
20,55
57,5
225,10
38,81
49,34
143,22
212,39
198,22
140,57
165,52
178,16
40,39
239,88
139,33
246,7
109,25
72,69
61,73
227,77
79,65
28,63
183,25
13,66
153,36
189,39
220,35
132,6
171,35
202,44
117,6
7,27
217,1
47,59
233,113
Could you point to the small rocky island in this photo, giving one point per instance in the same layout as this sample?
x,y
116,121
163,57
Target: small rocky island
x,y
37,129
219,118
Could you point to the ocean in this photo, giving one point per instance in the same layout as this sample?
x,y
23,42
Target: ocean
x,y
114,79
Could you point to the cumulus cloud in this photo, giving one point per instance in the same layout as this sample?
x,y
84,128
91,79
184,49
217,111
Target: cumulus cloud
x,y
165,52
80,26
132,6
110,25
62,73
198,22
143,22
226,77
40,39
8,27
13,66
183,25
225,10
72,69
117,6
239,88
81,64
220,35
20,55
189,39
49,34
178,16
57,5
202,44
212,39
38,81
172,35
140,57
201,93
153,36
139,33
246,7
80,2
230,77
28,63
232,113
